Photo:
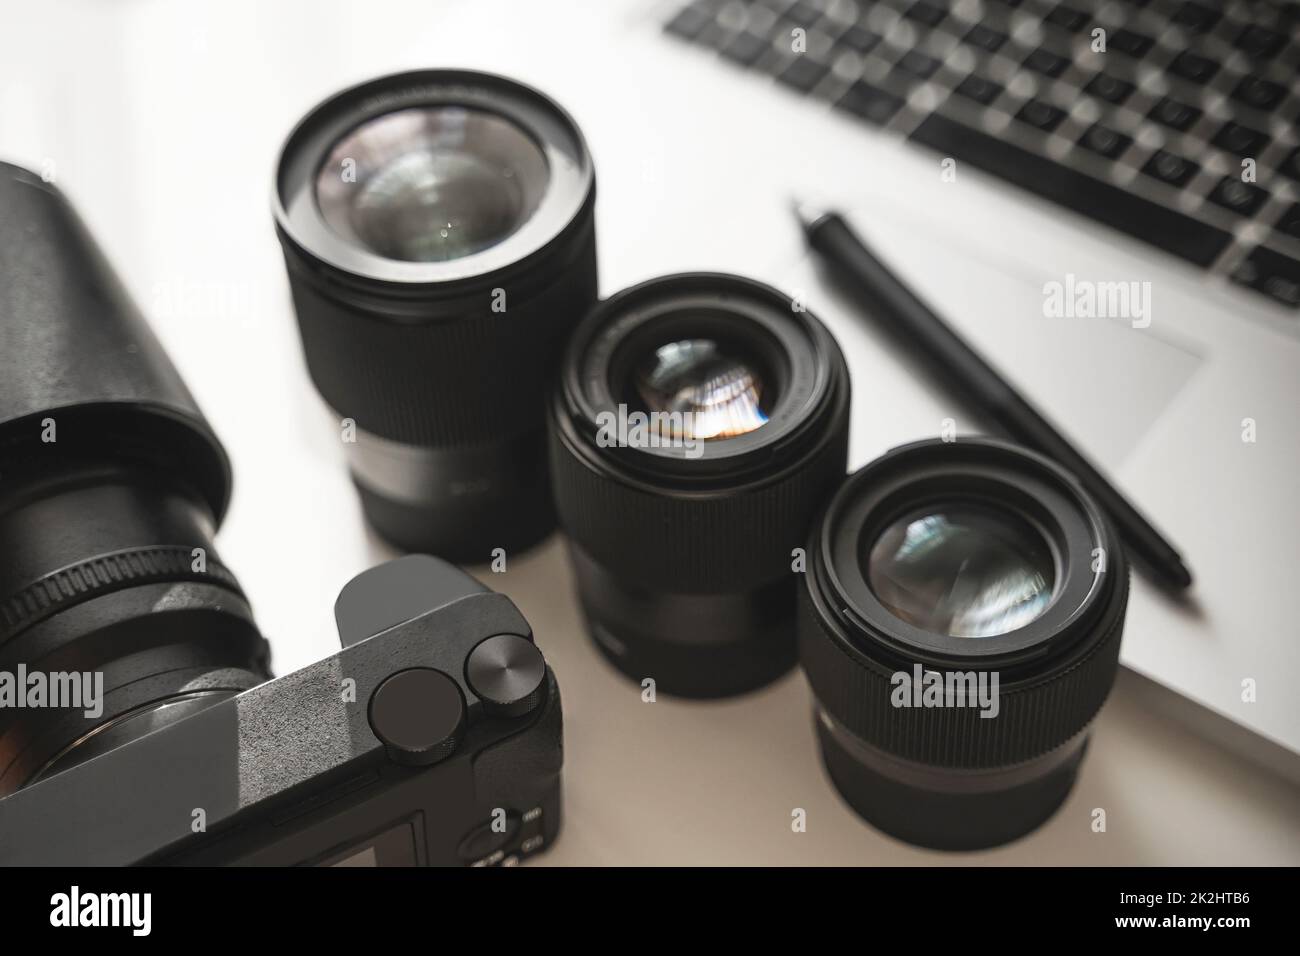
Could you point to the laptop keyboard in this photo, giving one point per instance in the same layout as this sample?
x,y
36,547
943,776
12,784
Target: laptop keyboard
x,y
1182,132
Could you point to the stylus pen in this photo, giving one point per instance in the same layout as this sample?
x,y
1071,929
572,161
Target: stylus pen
x,y
894,306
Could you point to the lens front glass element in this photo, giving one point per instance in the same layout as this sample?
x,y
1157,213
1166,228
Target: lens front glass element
x,y
431,184
708,391
962,570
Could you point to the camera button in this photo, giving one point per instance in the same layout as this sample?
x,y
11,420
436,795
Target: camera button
x,y
508,673
419,715
485,844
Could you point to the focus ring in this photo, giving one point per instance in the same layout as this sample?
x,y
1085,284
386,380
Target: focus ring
x,y
1031,720
479,376
728,541
104,574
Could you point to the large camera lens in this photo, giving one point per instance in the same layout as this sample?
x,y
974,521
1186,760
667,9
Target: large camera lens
x,y
960,627
439,235
432,183
116,614
699,422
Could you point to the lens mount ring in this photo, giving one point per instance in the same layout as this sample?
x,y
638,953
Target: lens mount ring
x,y
1054,672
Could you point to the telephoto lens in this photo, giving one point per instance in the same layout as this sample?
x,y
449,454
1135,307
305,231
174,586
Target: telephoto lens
x,y
960,628
112,596
699,422
438,229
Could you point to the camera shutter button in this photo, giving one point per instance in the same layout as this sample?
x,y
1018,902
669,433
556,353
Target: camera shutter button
x,y
508,674
419,715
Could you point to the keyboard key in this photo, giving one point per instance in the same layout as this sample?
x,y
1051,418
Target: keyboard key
x,y
918,64
1258,92
1042,115
1193,66
1165,228
1170,169
1068,18
1291,165
803,14
1175,115
979,89
926,13
1241,140
744,48
1109,88
1046,62
1135,44
859,39
1235,196
1105,141
803,73
1195,17
1271,273
871,103
1259,42
985,38
1289,223
689,21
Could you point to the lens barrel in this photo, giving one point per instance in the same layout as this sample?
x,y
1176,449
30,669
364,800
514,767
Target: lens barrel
x,y
438,230
685,529
112,485
960,627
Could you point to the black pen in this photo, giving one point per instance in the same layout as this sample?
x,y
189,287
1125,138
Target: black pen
x,y
896,307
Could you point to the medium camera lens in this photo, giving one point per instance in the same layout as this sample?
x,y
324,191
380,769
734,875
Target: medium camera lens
x,y
699,422
114,485
724,393
438,231
959,625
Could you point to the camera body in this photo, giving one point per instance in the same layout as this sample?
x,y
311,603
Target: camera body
x,y
433,737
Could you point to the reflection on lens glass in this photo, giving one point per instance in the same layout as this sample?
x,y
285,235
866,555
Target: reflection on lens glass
x,y
717,395
431,184
962,570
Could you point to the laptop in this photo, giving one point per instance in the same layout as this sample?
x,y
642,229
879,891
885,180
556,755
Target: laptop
x,y
1105,199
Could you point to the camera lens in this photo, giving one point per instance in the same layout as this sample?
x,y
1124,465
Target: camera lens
x,y
959,625
438,230
699,422
433,183
962,570
114,485
723,393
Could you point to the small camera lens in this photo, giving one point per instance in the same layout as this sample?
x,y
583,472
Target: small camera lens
x,y
959,625
699,422
438,230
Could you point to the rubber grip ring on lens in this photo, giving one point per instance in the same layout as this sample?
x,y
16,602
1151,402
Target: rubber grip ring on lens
x,y
104,574
443,382
728,541
1032,719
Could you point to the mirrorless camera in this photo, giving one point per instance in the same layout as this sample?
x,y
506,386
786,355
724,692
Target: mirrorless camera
x,y
138,720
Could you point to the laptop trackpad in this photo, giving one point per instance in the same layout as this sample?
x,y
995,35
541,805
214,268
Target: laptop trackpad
x,y
1102,380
